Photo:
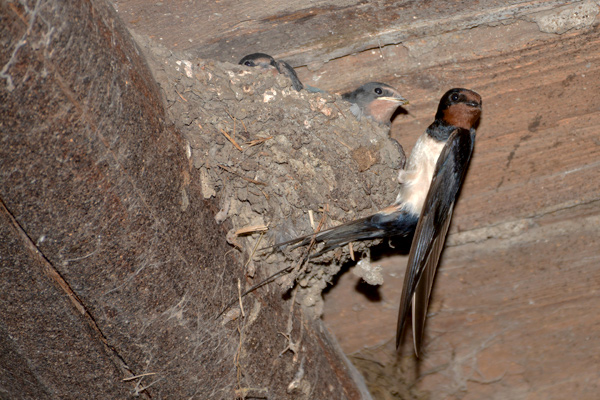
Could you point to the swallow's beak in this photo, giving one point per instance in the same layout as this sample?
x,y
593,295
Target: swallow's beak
x,y
396,99
473,104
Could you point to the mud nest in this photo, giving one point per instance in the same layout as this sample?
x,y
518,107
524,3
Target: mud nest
x,y
273,157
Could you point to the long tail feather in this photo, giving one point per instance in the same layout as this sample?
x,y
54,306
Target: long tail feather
x,y
379,225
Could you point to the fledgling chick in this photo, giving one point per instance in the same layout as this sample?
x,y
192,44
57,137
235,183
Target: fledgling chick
x,y
265,61
375,100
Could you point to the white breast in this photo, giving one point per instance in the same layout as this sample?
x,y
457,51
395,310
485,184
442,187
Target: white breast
x,y
416,176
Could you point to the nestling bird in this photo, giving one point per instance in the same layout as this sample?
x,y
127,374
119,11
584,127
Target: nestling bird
x,y
430,184
265,61
375,100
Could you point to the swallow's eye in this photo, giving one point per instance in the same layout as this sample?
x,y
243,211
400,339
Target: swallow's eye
x,y
249,64
454,97
378,91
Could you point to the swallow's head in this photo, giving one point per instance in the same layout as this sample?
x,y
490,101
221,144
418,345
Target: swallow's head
x,y
460,108
376,100
262,60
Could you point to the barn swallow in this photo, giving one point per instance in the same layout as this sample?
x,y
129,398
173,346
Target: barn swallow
x,y
455,123
375,100
265,61
430,184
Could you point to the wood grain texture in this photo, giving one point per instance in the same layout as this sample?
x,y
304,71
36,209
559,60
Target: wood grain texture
x,y
226,30
509,316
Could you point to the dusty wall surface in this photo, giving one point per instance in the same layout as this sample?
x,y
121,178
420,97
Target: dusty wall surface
x,y
112,266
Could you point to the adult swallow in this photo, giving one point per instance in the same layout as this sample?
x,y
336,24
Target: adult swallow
x,y
455,122
430,184
375,100
265,61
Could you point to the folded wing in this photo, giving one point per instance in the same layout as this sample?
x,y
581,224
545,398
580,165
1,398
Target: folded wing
x,y
431,230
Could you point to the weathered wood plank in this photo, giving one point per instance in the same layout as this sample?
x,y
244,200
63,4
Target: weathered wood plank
x,y
510,308
326,30
537,143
